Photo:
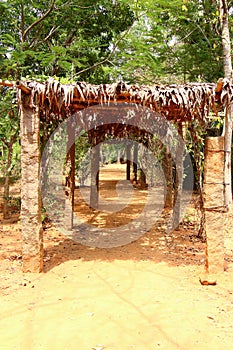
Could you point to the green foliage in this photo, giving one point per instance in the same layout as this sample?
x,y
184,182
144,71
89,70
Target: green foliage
x,y
176,41
9,132
82,166
112,152
14,203
61,39
82,145
168,42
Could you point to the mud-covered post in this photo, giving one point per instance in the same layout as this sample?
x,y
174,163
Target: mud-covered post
x,y
31,226
214,204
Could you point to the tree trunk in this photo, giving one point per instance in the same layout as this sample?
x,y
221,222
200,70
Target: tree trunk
x,y
227,133
226,42
227,163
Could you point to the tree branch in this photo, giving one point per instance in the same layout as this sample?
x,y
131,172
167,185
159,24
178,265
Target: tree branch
x,y
74,5
39,20
18,84
7,83
225,7
36,36
22,21
52,31
107,59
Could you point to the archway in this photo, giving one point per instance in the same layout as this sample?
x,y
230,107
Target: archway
x,y
51,101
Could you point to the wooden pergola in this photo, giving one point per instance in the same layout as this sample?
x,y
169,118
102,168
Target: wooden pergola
x,y
51,102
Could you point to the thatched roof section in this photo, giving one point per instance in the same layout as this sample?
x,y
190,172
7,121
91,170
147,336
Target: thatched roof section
x,y
175,102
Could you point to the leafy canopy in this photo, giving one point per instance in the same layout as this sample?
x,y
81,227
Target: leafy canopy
x,y
172,41
61,38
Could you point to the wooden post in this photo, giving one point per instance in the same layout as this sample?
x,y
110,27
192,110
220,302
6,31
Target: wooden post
x,y
94,193
179,179
70,178
214,204
32,233
135,161
168,172
128,160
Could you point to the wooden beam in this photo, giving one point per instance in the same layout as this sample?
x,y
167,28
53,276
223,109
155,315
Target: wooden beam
x,y
219,85
7,83
18,84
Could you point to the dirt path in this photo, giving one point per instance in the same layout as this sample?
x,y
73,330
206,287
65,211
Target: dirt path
x,y
145,295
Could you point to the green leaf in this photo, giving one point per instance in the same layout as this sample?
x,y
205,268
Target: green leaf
x,y
8,39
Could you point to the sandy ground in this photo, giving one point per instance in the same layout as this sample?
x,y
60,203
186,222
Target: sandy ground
x,y
144,295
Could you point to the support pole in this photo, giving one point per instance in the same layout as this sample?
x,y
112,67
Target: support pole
x,y
31,226
214,203
95,156
70,178
135,161
168,171
128,161
179,179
